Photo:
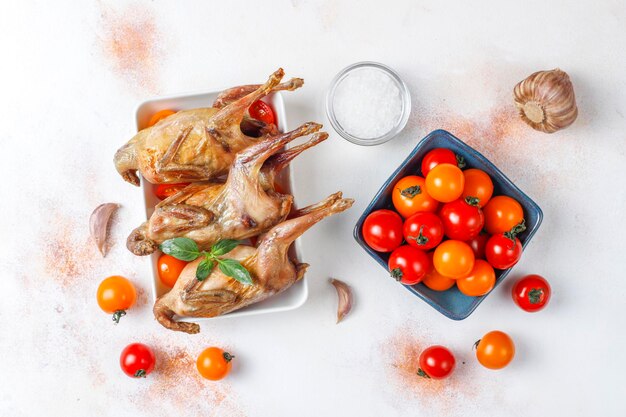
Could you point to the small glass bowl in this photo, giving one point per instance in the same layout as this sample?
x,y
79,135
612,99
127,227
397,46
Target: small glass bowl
x,y
404,93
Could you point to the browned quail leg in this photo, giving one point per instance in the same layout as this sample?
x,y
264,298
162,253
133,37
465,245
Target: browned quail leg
x,y
228,96
273,247
279,161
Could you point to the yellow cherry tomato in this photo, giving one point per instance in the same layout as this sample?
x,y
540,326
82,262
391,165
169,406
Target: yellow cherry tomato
x,y
445,182
453,259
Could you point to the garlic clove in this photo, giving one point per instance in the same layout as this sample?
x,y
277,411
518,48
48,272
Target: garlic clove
x,y
344,293
546,101
98,224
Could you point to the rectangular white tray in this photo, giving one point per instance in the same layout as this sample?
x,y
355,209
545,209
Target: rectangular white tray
x,y
290,299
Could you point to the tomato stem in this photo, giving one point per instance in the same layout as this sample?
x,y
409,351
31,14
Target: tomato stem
x,y
516,230
472,201
476,344
420,238
460,161
140,373
534,295
118,315
396,274
411,191
423,374
228,357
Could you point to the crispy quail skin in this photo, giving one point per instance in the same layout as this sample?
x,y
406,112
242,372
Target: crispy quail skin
x,y
245,205
268,263
199,144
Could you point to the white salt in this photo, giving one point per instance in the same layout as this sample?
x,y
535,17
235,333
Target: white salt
x,y
367,103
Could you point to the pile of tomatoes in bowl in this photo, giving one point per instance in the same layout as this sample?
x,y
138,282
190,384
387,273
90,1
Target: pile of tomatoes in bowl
x,y
447,228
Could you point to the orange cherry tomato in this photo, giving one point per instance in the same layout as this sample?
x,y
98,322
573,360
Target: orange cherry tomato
x,y
445,182
434,280
160,115
477,185
480,281
409,196
453,259
495,350
169,269
115,295
164,191
502,213
214,364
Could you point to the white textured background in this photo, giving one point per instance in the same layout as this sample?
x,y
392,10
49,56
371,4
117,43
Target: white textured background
x,y
67,96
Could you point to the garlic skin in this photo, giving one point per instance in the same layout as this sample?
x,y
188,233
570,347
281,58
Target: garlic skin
x,y
345,298
546,100
98,224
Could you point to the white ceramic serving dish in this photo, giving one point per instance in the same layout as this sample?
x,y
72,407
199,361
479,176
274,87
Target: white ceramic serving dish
x,y
290,299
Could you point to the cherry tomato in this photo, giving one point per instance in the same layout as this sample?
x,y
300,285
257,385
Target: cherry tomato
x,y
478,243
462,219
169,269
453,259
436,362
480,281
423,230
382,230
495,350
262,111
503,252
502,214
160,115
434,280
409,196
137,360
116,295
445,182
408,265
440,156
214,364
164,191
477,185
531,293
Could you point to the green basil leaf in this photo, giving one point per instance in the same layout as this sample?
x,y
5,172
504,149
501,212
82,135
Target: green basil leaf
x,y
181,248
234,269
223,247
204,269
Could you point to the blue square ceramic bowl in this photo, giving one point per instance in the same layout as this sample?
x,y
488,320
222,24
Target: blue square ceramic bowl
x,y
450,303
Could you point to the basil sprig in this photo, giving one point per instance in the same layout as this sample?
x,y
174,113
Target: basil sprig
x,y
187,249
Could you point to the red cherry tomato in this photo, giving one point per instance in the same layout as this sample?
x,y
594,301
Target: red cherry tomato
x,y
164,191
423,230
503,252
478,243
462,219
436,362
262,111
382,230
408,265
531,293
137,360
440,156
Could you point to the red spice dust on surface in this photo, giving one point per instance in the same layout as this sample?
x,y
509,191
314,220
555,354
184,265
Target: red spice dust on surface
x,y
131,40
437,397
176,384
69,256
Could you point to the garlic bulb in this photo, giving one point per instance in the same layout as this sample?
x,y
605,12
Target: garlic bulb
x,y
546,100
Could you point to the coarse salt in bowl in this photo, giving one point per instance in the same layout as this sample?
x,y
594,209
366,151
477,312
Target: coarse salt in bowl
x,y
368,104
